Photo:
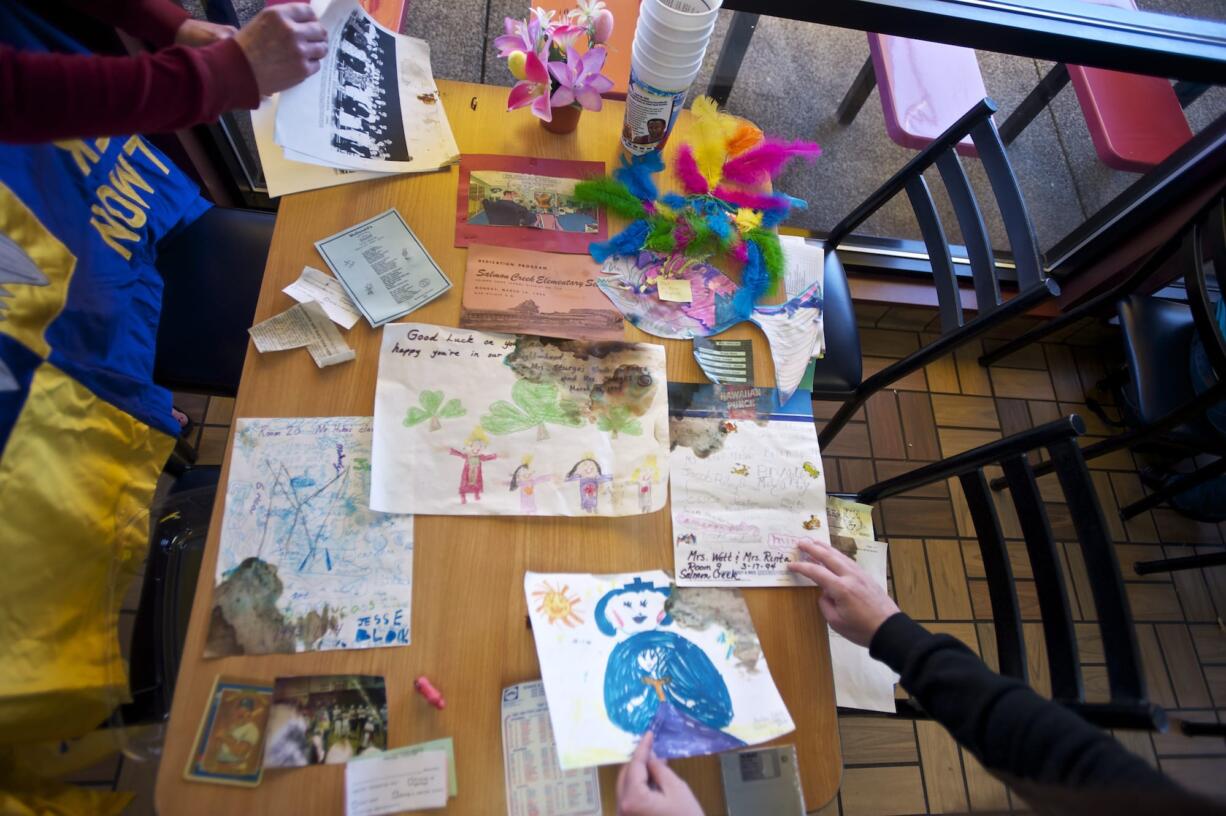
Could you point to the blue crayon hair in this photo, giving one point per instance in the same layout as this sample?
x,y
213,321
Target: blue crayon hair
x,y
694,686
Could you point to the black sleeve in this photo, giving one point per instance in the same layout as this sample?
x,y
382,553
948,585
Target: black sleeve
x,y
1003,722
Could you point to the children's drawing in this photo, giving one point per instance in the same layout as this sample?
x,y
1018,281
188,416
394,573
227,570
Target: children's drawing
x,y
524,480
644,476
556,605
535,404
746,483
590,477
304,564
434,409
688,669
472,482
560,428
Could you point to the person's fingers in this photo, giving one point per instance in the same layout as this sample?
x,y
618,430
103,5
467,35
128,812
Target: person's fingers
x,y
313,68
313,32
298,12
315,51
664,777
816,573
828,557
636,769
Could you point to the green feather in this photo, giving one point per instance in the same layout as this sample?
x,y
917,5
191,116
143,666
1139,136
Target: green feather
x,y
660,238
704,241
611,194
772,255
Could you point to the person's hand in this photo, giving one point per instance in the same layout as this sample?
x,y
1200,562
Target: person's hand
x,y
284,45
195,33
646,786
853,604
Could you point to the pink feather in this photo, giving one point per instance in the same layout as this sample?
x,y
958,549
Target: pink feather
x,y
687,172
767,160
741,252
683,234
754,201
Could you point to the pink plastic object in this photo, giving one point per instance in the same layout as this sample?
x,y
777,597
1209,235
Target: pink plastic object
x,y
925,87
433,696
1135,121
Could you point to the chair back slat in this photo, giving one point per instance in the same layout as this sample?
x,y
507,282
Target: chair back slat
x,y
1207,249
974,232
1124,674
1007,617
1058,632
949,300
1022,240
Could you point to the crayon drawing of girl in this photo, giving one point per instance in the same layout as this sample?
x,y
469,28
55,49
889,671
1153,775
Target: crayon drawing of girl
x,y
471,478
657,680
525,481
590,477
645,476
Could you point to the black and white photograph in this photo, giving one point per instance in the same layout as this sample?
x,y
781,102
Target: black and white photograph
x,y
365,112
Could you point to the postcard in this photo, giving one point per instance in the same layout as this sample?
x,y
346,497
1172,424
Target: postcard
x,y
527,203
325,720
383,267
394,783
748,486
542,293
230,743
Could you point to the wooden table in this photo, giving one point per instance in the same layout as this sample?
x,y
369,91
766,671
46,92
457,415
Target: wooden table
x,y
469,624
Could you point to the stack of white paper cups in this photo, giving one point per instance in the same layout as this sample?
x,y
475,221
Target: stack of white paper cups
x,y
669,44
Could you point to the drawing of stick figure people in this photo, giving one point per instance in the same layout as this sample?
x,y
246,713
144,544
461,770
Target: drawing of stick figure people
x,y
471,478
590,477
657,680
525,481
645,476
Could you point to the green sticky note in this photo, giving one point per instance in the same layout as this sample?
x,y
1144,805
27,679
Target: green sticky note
x,y
444,744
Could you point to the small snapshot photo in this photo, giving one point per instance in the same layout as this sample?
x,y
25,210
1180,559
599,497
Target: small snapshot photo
x,y
524,202
366,119
501,199
325,720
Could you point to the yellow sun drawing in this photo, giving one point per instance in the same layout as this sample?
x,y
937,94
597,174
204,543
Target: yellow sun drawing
x,y
557,606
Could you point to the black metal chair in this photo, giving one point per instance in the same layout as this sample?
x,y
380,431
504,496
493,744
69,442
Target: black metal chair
x,y
834,375
1158,399
1128,706
212,272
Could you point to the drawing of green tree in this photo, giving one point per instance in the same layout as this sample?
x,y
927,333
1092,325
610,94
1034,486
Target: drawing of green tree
x,y
433,409
536,404
618,419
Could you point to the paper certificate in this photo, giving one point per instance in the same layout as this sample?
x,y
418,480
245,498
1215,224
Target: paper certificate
x,y
747,484
545,293
383,267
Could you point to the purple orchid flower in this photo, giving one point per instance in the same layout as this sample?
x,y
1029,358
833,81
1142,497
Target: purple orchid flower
x,y
533,89
519,36
579,79
565,36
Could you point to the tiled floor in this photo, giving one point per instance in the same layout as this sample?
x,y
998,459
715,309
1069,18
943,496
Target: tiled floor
x,y
898,766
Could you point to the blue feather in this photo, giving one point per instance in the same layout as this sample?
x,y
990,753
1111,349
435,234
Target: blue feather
x,y
637,172
677,202
754,282
626,242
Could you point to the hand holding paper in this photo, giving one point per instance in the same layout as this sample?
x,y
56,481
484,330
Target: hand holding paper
x,y
854,604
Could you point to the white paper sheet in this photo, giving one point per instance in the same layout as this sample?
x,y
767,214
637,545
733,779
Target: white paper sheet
x,y
396,783
748,486
535,785
803,266
474,423
617,662
305,325
385,270
444,744
373,105
283,175
328,292
304,565
859,680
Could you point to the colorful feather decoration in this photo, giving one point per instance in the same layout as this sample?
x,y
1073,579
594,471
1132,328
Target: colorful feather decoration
x,y
764,162
611,194
709,137
767,243
637,174
686,168
626,242
754,201
747,135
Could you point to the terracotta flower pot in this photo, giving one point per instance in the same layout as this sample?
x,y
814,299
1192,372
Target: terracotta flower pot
x,y
565,119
